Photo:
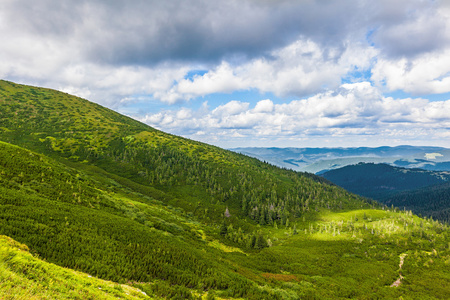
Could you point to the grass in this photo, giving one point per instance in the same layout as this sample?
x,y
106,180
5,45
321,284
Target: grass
x,y
92,190
359,262
23,276
218,245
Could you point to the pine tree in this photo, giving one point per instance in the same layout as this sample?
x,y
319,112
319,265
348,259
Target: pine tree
x,y
223,229
261,242
244,208
252,241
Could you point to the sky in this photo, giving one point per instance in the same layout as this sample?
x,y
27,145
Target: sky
x,y
241,73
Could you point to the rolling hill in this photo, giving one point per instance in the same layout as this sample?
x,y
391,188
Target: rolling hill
x,y
101,205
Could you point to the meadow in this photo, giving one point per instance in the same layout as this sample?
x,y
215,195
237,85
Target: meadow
x,y
96,204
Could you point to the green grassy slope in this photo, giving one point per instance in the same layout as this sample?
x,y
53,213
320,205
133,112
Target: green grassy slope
x,y
91,190
102,228
23,276
188,174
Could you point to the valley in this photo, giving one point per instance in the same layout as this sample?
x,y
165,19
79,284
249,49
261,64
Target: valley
x,y
96,205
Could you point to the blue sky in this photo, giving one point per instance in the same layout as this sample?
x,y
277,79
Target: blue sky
x,y
246,73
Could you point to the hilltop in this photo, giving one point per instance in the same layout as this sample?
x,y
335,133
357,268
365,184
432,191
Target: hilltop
x,y
157,215
73,130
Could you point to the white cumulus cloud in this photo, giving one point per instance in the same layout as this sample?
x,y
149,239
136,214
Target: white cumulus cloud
x,y
357,109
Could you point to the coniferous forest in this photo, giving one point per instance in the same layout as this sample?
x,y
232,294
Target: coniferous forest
x,y
95,205
426,193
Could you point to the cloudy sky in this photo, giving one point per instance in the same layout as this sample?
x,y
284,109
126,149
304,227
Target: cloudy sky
x,y
306,73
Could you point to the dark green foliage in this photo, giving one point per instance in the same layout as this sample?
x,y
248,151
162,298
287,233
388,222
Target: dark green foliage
x,y
223,229
114,198
433,201
198,178
424,192
379,181
261,242
71,221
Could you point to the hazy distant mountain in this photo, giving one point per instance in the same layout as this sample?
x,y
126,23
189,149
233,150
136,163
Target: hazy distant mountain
x,y
92,190
318,160
156,216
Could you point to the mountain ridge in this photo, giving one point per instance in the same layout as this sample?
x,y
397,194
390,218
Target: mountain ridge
x,y
319,160
88,189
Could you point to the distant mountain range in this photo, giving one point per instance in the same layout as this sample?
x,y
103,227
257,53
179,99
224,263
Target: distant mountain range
x,y
96,205
416,178
319,160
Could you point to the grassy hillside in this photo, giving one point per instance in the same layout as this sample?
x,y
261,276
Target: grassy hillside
x,y
188,174
88,189
23,276
102,228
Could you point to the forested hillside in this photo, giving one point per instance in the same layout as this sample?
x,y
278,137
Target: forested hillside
x,y
422,191
379,181
432,201
64,126
88,189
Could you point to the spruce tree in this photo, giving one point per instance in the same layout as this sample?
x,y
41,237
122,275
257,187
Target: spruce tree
x,y
223,229
261,242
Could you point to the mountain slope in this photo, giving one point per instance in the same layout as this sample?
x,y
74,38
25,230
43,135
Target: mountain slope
x,y
379,181
421,191
111,192
432,201
72,220
86,188
61,125
23,276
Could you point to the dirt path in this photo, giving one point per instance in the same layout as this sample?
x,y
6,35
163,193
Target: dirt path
x,y
399,280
